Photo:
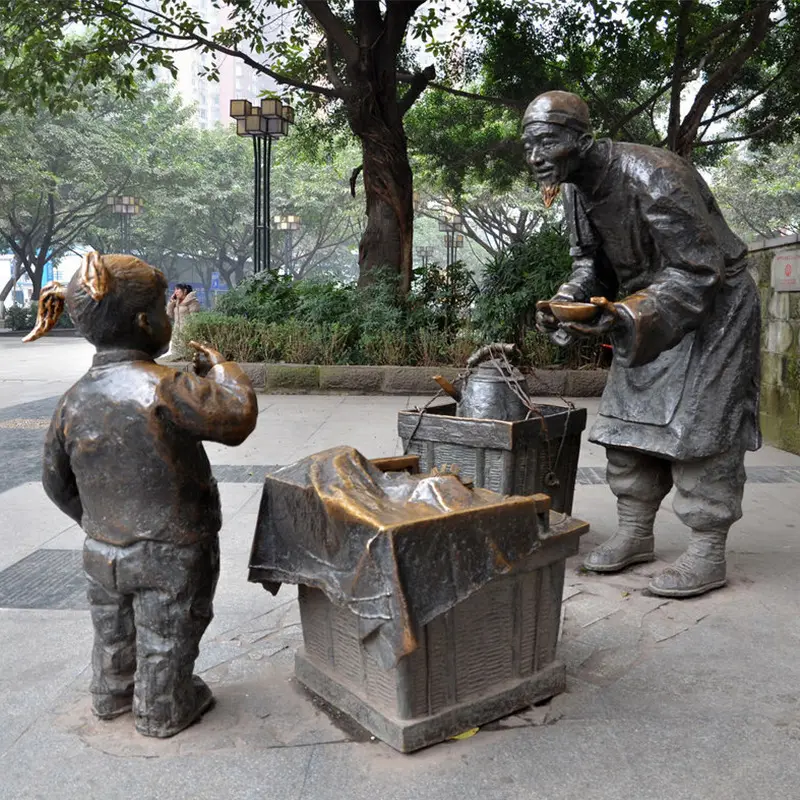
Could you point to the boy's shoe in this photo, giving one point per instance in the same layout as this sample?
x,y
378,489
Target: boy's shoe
x,y
110,706
203,701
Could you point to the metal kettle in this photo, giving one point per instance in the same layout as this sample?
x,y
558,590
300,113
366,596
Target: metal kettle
x,y
492,388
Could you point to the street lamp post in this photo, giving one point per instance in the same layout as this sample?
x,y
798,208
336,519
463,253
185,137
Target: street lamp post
x,y
127,207
452,225
425,253
263,123
453,242
288,223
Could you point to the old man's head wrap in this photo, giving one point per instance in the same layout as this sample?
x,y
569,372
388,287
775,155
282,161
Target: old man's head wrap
x,y
559,108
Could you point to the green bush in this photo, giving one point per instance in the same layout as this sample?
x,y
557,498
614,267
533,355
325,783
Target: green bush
x,y
295,342
442,296
443,319
20,318
506,307
513,282
236,338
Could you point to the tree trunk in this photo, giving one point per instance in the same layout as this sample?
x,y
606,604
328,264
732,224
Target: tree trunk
x,y
37,276
16,274
388,186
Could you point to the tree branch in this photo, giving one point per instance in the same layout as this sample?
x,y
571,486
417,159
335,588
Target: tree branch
x,y
743,138
333,28
398,15
589,88
408,77
726,27
744,103
369,22
335,80
674,123
353,178
417,86
218,47
723,75
634,112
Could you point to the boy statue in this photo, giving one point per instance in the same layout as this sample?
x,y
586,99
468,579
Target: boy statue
x,y
673,291
124,458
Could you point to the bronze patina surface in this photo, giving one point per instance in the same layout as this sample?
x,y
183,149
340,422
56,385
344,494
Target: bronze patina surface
x,y
427,607
396,549
124,458
681,403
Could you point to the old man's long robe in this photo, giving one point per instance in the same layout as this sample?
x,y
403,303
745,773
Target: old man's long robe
x,y
684,383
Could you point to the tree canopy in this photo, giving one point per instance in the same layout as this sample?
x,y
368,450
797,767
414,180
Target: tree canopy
x,y
689,75
195,186
695,77
759,193
57,173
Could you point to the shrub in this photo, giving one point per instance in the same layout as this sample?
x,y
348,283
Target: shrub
x,y
386,347
236,338
265,297
441,297
19,318
513,282
441,322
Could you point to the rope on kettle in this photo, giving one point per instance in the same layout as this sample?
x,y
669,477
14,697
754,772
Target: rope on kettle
x,y
520,393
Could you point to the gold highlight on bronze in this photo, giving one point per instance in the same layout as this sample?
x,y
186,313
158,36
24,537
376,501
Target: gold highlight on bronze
x,y
94,276
51,305
549,194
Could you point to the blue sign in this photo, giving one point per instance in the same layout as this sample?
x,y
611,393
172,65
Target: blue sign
x,y
216,282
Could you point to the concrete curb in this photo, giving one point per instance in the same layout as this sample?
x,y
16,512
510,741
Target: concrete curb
x,y
335,379
71,332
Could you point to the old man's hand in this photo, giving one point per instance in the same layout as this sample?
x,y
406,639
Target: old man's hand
x,y
606,321
545,320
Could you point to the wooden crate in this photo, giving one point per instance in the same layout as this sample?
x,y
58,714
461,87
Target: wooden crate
x,y
488,656
506,457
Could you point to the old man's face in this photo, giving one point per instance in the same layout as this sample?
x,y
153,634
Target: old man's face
x,y
553,153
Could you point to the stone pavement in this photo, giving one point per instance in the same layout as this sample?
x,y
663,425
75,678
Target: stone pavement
x,y
666,699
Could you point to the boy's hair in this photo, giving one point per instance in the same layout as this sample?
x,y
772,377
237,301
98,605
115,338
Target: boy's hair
x,y
103,298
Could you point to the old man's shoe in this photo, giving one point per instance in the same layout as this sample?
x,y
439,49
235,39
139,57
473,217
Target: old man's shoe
x,y
700,569
620,551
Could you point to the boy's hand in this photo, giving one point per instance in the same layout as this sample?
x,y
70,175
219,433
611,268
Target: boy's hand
x,y
205,358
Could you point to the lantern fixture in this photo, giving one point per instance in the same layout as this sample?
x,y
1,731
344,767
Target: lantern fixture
x,y
271,107
241,109
126,206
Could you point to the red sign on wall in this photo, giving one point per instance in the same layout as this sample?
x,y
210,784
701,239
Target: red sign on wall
x,y
786,271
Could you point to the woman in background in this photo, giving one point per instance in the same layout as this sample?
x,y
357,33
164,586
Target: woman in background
x,y
182,303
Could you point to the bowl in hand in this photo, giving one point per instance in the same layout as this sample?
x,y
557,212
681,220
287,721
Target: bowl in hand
x,y
565,311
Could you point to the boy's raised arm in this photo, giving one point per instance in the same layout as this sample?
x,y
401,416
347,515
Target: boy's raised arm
x,y
218,405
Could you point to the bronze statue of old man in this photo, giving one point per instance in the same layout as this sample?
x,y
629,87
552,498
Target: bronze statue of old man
x,y
681,403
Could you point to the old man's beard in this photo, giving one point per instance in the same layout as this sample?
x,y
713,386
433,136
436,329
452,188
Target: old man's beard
x,y
549,193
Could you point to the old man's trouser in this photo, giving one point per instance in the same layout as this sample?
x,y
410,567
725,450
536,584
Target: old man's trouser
x,y
708,491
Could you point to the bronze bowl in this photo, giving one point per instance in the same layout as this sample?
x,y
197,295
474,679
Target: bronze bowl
x,y
574,312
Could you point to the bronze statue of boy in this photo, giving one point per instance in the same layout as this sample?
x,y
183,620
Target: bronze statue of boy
x,y
681,403
124,458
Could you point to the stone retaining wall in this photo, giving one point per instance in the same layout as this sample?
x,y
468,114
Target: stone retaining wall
x,y
780,348
312,379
